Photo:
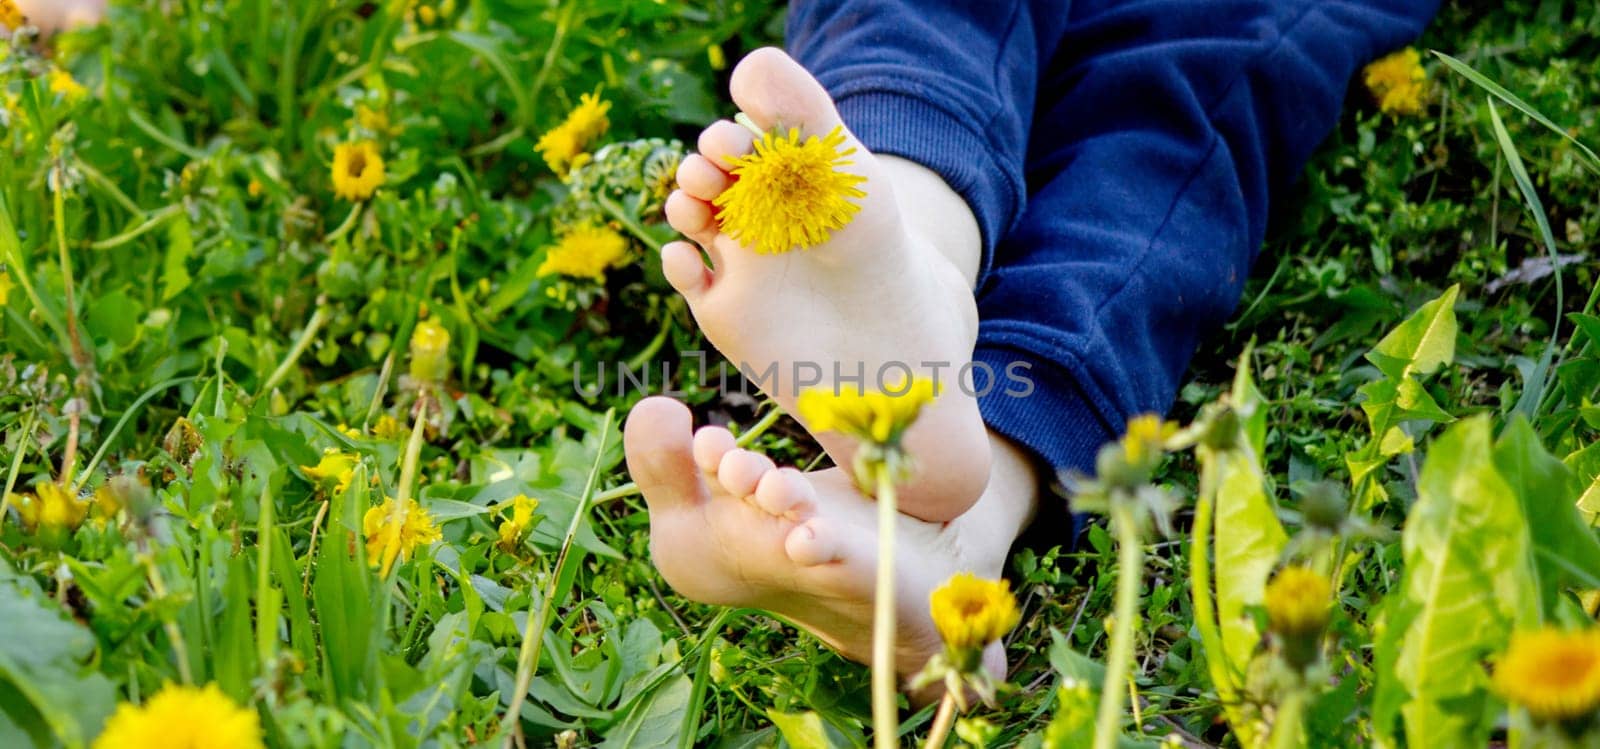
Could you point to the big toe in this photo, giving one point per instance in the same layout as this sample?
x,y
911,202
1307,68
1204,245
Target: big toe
x,y
776,91
658,446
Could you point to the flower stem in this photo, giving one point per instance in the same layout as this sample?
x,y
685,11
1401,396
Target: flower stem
x,y
307,335
408,479
749,124
885,705
345,227
174,634
941,722
1130,573
16,466
1286,726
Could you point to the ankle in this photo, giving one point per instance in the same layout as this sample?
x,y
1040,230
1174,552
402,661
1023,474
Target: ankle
x,y
1008,504
937,214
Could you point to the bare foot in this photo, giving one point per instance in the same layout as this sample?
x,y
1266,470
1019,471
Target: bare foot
x,y
878,299
727,527
51,16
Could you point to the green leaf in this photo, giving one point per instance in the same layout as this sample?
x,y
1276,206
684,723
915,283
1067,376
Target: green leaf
x,y
1538,381
1071,664
1249,540
1586,464
1589,324
1467,582
654,721
802,730
1421,344
1247,402
46,693
1565,551
446,510
174,267
1415,403
1500,92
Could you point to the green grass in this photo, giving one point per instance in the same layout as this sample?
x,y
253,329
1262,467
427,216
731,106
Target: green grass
x,y
195,312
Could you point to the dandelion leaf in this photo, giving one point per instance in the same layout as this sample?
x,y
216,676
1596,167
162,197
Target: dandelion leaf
x,y
1564,550
48,696
1468,581
1421,344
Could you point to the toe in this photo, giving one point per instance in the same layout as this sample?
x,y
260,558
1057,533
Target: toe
x,y
822,540
681,264
725,141
786,493
710,444
741,470
656,441
691,216
776,91
701,178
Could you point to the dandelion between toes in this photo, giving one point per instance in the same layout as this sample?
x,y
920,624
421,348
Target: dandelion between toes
x,y
885,293
886,281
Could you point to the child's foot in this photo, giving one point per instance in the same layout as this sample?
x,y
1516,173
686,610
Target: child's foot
x,y
55,15
877,299
728,528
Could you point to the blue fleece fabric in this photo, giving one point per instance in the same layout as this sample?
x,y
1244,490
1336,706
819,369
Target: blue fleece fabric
x,y
1120,157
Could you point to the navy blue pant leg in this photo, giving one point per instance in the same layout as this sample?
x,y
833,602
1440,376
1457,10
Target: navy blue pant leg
x,y
1163,130
1120,157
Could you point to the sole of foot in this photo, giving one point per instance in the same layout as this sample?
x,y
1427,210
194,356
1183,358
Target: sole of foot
x,y
872,304
728,527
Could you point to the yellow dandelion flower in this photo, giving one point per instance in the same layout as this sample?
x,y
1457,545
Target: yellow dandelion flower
x,y
335,467
1298,601
180,717
348,431
373,119
971,612
51,507
790,194
585,252
394,532
388,428
430,352
10,15
1554,675
1145,437
6,285
64,85
514,528
874,416
562,146
1398,83
357,170
427,15
106,502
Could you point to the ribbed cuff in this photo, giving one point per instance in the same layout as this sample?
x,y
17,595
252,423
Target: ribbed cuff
x,y
904,125
1054,421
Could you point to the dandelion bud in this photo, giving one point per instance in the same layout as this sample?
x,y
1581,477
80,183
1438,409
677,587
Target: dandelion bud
x,y
130,492
430,353
1324,506
1297,602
